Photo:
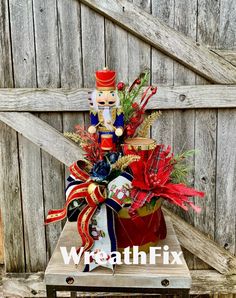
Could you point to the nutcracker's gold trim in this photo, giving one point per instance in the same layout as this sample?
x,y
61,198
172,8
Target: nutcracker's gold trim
x,y
119,111
94,112
106,88
139,144
107,136
144,211
103,129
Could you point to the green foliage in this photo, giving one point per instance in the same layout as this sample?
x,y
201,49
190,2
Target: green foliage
x,y
130,94
181,168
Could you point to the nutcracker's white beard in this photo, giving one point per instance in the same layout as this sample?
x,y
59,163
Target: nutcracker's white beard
x,y
107,118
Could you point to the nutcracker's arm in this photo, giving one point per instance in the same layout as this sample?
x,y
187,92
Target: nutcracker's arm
x,y
94,121
119,123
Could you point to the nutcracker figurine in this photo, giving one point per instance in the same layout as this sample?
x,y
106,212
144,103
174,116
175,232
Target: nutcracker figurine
x,y
106,115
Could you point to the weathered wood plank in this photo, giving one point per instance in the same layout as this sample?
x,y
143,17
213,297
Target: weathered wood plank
x,y
70,49
10,188
25,75
202,246
205,172
32,202
23,46
141,276
93,45
184,120
53,184
225,180
71,63
117,54
205,130
162,73
229,55
138,51
1,240
6,79
225,231
167,97
10,200
43,135
11,208
160,36
46,41
212,282
203,282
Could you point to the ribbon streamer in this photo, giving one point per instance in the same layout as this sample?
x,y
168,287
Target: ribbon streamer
x,y
81,187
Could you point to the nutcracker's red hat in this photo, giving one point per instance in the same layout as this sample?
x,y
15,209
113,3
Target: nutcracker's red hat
x,y
105,79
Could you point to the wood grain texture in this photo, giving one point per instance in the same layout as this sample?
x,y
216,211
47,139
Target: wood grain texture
x,y
23,27
229,55
225,180
93,45
125,276
72,100
205,129
43,135
48,68
10,189
6,78
23,46
11,207
70,48
202,246
32,202
226,146
117,53
159,35
139,57
1,239
204,282
162,74
184,120
53,185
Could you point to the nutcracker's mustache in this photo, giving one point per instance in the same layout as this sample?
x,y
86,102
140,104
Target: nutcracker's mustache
x,y
93,102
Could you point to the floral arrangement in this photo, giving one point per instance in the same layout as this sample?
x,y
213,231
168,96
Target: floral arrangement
x,y
122,171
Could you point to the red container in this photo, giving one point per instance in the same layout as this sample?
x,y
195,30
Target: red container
x,y
153,229
149,227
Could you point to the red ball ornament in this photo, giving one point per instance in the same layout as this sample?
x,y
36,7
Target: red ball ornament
x,y
120,86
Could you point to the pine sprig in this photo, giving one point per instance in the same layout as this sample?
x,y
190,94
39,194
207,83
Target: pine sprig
x,y
124,161
147,123
181,169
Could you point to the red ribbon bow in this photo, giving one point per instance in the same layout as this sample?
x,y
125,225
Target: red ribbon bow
x,y
94,195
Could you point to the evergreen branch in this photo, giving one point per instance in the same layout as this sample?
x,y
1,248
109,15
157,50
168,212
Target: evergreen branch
x,y
181,170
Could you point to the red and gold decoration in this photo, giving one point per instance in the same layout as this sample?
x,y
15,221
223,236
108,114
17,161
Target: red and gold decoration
x,y
115,194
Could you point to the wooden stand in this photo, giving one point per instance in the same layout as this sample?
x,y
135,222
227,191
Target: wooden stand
x,y
159,278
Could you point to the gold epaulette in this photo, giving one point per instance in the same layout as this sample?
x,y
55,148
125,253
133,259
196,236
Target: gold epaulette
x,y
92,111
119,111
